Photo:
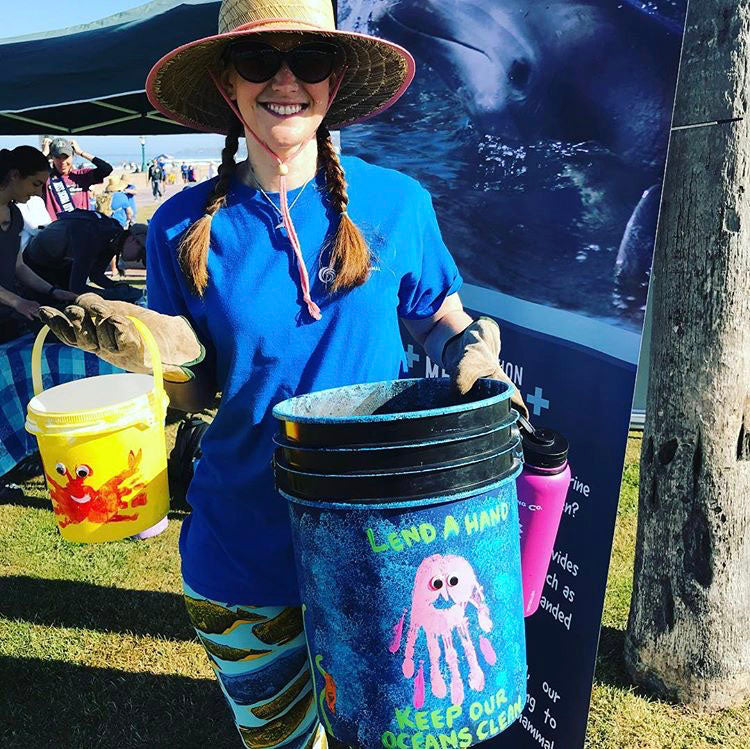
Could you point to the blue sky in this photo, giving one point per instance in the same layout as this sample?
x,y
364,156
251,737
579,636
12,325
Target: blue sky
x,y
46,15
36,16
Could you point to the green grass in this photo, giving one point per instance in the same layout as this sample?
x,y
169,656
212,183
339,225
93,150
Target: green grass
x,y
96,650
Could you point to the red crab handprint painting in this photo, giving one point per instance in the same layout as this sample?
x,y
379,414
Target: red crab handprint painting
x,y
78,500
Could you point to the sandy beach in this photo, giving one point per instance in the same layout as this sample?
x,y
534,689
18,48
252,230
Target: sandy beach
x,y
145,202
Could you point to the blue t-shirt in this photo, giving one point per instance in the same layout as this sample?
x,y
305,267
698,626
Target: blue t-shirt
x,y
263,347
120,203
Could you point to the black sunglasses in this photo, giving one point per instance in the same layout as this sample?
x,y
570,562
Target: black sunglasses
x,y
257,62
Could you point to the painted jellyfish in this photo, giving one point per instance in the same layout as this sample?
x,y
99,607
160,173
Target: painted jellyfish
x,y
443,587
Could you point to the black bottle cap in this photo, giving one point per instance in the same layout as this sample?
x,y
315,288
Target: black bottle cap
x,y
542,448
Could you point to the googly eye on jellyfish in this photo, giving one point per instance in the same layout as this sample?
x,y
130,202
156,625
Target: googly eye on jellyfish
x,y
444,585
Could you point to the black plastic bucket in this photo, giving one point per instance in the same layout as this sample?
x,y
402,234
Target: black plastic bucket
x,y
395,411
395,455
408,566
445,479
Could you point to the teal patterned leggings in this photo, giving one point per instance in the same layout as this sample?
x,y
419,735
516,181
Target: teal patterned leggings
x,y
260,659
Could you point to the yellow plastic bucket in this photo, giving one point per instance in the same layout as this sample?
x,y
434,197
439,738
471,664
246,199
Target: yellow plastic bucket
x,y
103,448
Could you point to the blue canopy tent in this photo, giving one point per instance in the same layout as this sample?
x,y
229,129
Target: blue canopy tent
x,y
91,79
85,80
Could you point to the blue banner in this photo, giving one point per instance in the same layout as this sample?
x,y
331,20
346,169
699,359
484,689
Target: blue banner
x,y
541,129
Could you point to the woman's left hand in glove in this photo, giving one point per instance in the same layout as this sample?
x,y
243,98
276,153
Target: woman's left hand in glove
x,y
474,353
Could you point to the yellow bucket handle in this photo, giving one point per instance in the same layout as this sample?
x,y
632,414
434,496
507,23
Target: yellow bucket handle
x,y
148,339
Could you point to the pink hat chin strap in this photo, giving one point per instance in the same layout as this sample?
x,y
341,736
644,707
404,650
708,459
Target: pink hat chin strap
x,y
304,279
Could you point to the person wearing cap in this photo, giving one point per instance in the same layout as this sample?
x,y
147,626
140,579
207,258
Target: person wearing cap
x,y
68,188
286,274
79,247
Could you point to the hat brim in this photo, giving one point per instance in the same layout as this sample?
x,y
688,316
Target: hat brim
x,y
180,85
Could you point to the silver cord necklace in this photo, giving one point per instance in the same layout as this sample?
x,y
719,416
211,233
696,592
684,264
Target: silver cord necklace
x,y
280,225
326,274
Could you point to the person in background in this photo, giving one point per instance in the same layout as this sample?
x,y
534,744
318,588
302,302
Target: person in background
x,y
154,177
191,173
79,247
68,188
120,209
184,172
211,170
23,173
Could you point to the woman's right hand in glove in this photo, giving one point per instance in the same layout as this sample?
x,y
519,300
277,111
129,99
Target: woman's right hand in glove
x,y
102,327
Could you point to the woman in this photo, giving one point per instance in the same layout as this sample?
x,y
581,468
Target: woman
x,y
293,269
23,174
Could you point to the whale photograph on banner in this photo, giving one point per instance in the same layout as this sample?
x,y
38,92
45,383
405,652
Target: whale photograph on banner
x,y
541,131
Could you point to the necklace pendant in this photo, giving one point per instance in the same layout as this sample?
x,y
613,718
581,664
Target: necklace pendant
x,y
327,275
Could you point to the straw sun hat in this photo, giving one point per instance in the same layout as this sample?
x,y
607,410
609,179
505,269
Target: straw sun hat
x,y
116,184
181,86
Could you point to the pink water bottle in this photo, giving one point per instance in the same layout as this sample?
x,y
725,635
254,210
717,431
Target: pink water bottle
x,y
542,488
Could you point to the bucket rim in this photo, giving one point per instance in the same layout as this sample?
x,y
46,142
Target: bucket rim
x,y
127,410
279,413
383,503
391,487
511,447
280,441
90,411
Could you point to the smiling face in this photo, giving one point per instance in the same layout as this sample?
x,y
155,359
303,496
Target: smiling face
x,y
27,187
283,111
76,487
63,164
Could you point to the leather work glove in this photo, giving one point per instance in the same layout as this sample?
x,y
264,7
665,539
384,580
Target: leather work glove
x,y
474,353
101,327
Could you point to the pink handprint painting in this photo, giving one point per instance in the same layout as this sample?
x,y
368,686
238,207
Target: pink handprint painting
x,y
444,585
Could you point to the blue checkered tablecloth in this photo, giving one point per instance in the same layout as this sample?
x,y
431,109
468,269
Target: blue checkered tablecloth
x,y
59,364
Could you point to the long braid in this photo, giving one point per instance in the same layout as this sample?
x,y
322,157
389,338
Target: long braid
x,y
350,255
195,244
